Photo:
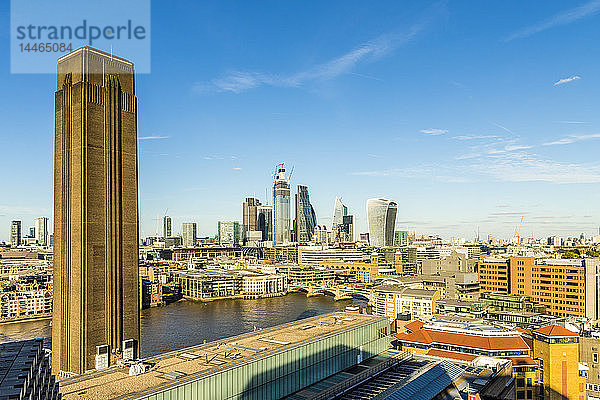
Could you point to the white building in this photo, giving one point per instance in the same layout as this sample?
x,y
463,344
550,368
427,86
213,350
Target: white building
x,y
264,284
391,300
229,233
25,302
41,231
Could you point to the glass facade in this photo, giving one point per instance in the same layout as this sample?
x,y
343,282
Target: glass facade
x,y
281,208
381,215
292,369
306,219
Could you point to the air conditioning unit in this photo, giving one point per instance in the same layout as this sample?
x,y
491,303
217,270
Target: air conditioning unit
x,y
102,356
129,349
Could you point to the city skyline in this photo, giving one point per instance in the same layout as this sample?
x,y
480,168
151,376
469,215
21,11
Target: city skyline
x,y
466,128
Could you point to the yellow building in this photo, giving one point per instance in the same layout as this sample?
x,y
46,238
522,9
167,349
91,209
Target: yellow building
x,y
365,272
565,287
557,351
560,285
494,275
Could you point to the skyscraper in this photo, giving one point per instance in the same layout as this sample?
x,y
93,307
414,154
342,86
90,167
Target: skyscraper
x,y
281,207
189,234
346,229
167,232
381,215
96,304
249,216
306,219
264,221
41,231
229,233
15,233
339,211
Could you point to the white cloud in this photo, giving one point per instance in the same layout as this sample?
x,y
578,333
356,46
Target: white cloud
x,y
237,81
565,17
572,139
516,147
237,169
153,137
474,137
434,131
524,167
567,80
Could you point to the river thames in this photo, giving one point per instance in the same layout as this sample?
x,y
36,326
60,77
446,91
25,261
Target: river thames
x,y
187,323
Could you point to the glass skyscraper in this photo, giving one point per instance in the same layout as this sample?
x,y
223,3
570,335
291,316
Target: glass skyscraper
x,y
381,215
281,207
339,211
306,219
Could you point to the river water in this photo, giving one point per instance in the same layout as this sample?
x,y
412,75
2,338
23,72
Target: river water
x,y
187,323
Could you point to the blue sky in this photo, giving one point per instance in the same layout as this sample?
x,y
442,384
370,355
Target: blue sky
x,y
468,114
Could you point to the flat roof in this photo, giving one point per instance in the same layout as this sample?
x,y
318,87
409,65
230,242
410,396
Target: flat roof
x,y
97,51
197,362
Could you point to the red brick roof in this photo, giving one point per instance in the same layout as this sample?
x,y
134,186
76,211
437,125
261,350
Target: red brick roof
x,y
414,325
428,336
555,330
451,354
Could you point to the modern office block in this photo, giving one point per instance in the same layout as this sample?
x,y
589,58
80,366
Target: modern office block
x,y
167,230
249,216
264,221
189,234
15,233
229,233
306,219
96,301
281,207
381,216
41,231
339,211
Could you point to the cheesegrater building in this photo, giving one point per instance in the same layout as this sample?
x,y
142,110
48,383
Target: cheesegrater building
x,y
96,303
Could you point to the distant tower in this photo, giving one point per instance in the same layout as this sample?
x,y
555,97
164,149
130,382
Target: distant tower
x,y
339,211
167,231
264,221
15,233
281,207
41,231
189,234
249,216
96,317
306,219
381,215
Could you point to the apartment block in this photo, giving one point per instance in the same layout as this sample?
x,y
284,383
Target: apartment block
x,y
391,300
565,287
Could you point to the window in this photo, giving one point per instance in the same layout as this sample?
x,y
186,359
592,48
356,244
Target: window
x,y
528,382
520,382
595,357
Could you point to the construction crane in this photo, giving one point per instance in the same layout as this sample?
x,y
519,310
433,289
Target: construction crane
x,y
519,231
290,175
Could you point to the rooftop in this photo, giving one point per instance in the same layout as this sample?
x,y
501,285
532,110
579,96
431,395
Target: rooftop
x,y
465,334
405,291
555,330
193,363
